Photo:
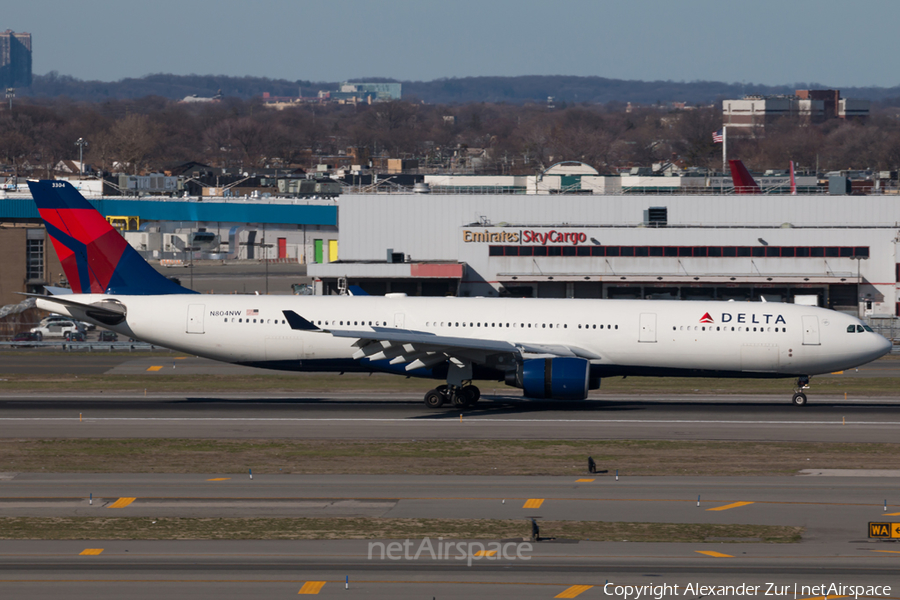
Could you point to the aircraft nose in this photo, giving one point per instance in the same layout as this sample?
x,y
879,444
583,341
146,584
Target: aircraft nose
x,y
880,346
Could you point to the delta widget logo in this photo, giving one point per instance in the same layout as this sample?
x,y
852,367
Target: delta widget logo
x,y
706,319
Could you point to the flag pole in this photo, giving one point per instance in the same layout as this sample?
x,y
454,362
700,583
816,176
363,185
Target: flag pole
x,y
724,155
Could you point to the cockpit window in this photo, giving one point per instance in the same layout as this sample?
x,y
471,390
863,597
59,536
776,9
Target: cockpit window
x,y
859,329
851,328
867,328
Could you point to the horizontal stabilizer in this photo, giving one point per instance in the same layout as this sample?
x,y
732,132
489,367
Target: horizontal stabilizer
x,y
107,312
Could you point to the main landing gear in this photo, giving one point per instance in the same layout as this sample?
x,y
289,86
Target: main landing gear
x,y
799,398
459,389
460,396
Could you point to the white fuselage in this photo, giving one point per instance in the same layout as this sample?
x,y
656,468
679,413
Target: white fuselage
x,y
639,336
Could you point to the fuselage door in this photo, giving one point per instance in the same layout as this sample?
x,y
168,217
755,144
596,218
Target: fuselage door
x,y
810,330
648,328
195,318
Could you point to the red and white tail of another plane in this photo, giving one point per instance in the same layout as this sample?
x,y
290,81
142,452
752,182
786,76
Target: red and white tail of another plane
x,y
793,181
744,182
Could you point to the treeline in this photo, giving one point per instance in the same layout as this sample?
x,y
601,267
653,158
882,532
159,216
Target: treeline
x,y
152,134
464,90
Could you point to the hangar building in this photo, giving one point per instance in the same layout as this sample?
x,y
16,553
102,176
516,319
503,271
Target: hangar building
x,y
838,251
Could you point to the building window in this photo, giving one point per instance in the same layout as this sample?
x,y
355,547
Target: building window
x,y
34,253
687,251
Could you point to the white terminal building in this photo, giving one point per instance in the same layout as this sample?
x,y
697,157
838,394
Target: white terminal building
x,y
836,251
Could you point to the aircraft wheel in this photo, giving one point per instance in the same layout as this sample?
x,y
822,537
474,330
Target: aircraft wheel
x,y
471,394
799,399
459,398
434,399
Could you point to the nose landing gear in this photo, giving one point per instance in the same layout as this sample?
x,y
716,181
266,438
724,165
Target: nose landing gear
x,y
799,398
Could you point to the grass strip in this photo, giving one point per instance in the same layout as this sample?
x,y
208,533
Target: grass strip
x,y
439,457
304,384
353,528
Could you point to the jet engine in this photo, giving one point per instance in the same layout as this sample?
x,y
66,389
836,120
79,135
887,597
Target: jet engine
x,y
554,378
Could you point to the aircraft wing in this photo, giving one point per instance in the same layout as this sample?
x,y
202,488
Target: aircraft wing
x,y
418,349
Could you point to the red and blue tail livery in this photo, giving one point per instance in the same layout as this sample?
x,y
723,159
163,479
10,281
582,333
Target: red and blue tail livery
x,y
95,257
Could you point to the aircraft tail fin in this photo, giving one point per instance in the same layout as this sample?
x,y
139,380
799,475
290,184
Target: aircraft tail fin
x,y
743,180
793,181
94,255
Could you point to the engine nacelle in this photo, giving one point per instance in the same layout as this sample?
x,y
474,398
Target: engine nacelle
x,y
554,378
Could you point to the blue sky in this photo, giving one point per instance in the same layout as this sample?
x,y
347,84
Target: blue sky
x,y
767,41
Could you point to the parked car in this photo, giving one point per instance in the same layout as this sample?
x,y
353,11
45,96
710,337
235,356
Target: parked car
x,y
55,326
75,336
108,336
28,336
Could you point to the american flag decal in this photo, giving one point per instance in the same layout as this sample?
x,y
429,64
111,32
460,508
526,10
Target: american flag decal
x,y
252,312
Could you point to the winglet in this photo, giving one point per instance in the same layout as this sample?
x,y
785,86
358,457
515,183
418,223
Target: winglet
x,y
297,322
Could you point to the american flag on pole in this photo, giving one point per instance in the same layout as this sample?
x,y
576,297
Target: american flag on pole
x,y
717,137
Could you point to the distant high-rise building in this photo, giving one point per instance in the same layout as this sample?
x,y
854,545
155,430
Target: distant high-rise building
x,y
15,59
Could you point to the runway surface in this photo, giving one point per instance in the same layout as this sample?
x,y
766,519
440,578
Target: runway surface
x,y
834,509
403,416
835,549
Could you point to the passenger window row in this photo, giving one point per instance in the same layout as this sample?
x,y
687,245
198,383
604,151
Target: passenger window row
x,y
261,321
720,328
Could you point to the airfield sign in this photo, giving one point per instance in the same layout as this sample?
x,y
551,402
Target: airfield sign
x,y
884,530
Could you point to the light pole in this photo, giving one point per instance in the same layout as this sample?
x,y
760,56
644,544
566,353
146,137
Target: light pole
x,y
10,94
859,258
81,143
191,249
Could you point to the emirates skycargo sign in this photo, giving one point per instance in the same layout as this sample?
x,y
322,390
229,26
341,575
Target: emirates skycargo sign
x,y
526,236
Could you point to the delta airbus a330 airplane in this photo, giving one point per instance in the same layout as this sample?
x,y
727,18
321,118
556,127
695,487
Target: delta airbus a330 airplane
x,y
552,349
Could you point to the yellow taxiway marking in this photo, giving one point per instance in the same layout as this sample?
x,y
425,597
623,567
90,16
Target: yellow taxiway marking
x,y
888,551
122,502
583,480
713,553
312,587
533,503
184,357
90,552
837,372
890,514
485,553
154,368
219,479
732,505
573,591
